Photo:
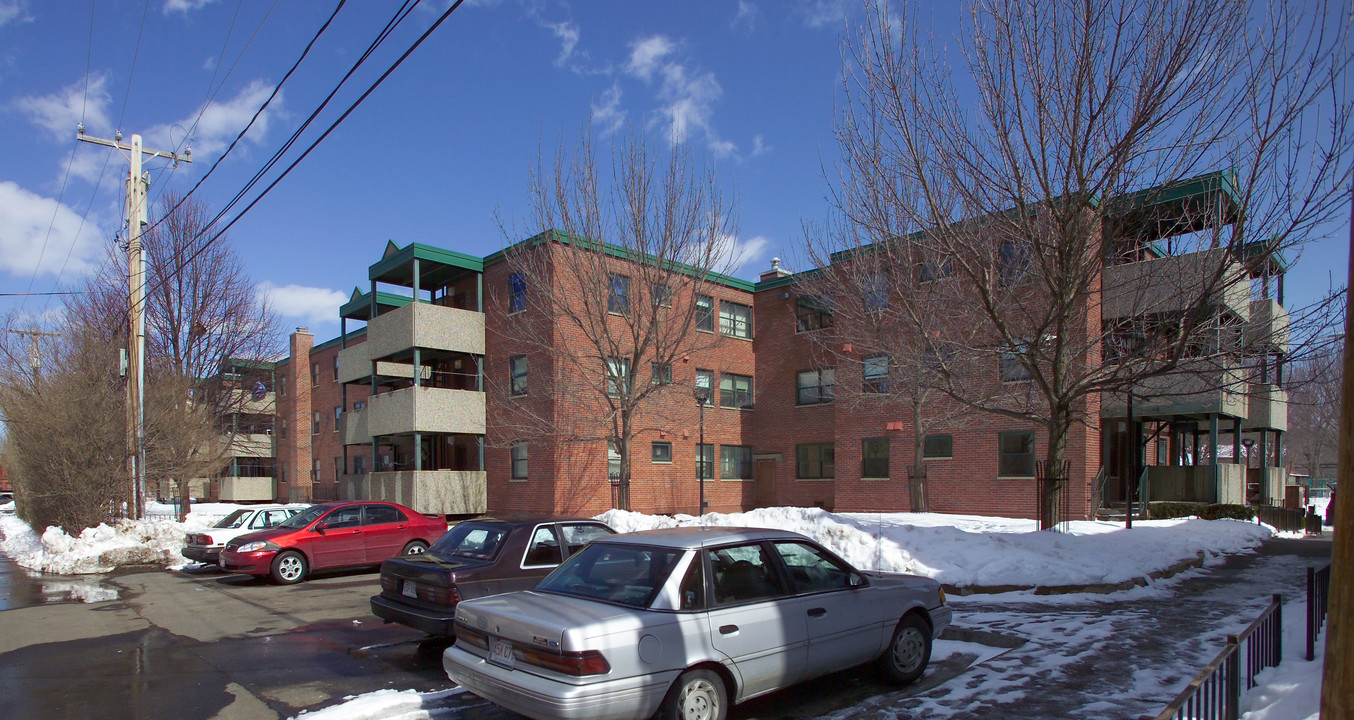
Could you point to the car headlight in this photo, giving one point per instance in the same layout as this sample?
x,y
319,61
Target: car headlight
x,y
255,546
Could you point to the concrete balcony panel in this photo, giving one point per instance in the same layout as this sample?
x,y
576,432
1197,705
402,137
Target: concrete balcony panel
x,y
354,364
247,489
1199,389
1268,327
425,409
255,445
424,325
1268,408
353,427
438,492
1172,284
243,401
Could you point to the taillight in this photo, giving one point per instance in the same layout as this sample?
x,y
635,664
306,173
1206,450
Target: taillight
x,y
204,539
390,584
472,637
438,595
587,662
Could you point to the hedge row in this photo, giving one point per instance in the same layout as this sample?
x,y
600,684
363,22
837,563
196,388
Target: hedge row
x,y
1165,510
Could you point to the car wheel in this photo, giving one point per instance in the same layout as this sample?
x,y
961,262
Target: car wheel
x,y
697,695
908,652
289,568
415,547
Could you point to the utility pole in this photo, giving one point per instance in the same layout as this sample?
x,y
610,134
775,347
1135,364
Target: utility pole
x,y
34,353
137,185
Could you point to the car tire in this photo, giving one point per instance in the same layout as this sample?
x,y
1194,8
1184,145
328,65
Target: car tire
x,y
697,695
414,547
289,568
905,659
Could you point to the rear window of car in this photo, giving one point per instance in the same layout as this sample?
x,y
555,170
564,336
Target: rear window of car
x,y
233,520
628,575
475,541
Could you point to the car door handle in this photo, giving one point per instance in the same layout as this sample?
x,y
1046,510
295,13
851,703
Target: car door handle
x,y
817,612
728,629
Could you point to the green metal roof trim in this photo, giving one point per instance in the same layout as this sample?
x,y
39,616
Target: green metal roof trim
x,y
787,280
331,343
359,308
396,266
1267,251
1219,183
622,253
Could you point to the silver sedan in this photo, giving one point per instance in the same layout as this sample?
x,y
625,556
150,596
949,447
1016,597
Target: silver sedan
x,y
687,621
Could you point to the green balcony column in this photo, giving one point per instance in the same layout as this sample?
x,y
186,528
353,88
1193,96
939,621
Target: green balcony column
x,y
418,451
479,446
479,292
1213,451
1236,441
418,363
416,283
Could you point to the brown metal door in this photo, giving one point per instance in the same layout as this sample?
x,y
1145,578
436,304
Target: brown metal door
x,y
765,475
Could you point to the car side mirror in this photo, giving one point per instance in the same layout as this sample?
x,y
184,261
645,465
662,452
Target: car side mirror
x,y
321,527
857,580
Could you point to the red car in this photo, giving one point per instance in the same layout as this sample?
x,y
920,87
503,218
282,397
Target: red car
x,y
330,536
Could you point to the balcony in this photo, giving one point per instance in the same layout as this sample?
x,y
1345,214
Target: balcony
x,y
353,427
247,489
1268,408
1169,285
244,401
355,367
427,326
438,492
1268,326
425,409
250,445
1201,389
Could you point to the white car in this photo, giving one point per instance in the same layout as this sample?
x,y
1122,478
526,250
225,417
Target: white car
x,y
685,622
205,546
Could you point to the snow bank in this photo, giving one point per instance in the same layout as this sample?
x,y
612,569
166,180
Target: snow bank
x,y
963,550
386,705
95,550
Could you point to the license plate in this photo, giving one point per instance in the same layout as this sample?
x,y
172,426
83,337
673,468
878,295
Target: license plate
x,y
410,589
221,560
500,652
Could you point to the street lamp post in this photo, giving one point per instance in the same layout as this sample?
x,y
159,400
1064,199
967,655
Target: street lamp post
x,y
702,394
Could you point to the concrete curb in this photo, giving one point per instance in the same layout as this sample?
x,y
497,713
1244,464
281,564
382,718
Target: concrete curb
x,y
1101,589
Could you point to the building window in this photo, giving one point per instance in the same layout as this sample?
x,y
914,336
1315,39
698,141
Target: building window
x,y
735,462
338,468
735,320
935,268
1015,454
817,461
315,470
812,313
613,461
517,369
706,379
875,374
618,294
874,458
1012,367
282,428
813,387
705,461
517,293
519,460
705,313
660,373
617,376
360,465
735,391
282,385
661,295
937,447
338,412
315,424
662,452
1013,261
874,290
359,405
335,367
314,374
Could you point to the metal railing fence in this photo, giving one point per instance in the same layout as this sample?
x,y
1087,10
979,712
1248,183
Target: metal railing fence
x,y
1318,591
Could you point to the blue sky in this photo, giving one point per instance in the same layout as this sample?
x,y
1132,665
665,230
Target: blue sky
x,y
440,151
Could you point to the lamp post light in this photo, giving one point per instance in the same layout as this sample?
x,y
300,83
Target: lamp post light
x,y
702,393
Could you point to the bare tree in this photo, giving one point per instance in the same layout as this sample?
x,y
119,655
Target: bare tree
x,y
1314,412
609,294
1084,119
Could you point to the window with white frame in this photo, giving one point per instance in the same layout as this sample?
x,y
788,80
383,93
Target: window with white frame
x,y
519,460
735,320
814,387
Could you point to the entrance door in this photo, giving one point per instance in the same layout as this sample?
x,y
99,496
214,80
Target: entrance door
x,y
765,476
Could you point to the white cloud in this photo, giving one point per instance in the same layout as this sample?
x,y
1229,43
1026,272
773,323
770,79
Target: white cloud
x,y
221,122
738,253
25,242
759,146
317,306
823,13
59,112
747,15
14,10
607,114
646,54
567,33
185,6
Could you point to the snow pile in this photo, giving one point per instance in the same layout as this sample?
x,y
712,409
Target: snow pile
x,y
386,705
7,507
963,550
95,550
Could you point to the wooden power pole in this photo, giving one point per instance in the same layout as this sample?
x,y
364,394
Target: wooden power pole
x,y
137,185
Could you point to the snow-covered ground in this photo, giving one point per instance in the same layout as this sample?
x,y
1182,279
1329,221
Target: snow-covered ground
x,y
961,551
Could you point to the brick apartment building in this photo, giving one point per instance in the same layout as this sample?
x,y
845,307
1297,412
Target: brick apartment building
x,y
419,404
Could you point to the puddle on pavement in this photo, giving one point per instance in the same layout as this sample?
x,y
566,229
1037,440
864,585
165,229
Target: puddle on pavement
x,y
20,587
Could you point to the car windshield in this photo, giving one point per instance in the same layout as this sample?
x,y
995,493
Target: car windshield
x,y
304,519
476,541
623,574
233,520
